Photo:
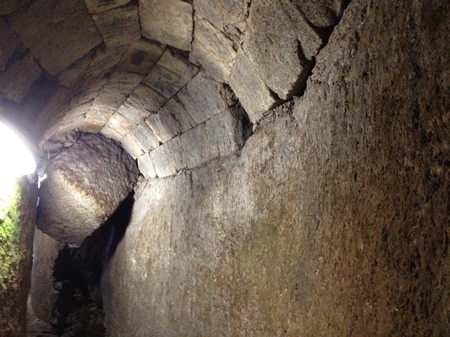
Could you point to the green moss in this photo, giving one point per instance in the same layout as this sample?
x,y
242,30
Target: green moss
x,y
10,247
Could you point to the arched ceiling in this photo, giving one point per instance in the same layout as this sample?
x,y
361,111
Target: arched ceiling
x,y
175,82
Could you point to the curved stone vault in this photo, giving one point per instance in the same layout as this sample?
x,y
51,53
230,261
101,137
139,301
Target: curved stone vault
x,y
176,83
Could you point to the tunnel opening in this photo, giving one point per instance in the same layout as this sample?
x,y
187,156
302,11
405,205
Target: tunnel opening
x,y
78,273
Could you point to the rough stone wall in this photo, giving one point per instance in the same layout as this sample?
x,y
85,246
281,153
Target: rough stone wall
x,y
331,221
14,291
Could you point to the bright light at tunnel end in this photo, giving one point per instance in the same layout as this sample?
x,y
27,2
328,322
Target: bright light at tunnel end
x,y
16,160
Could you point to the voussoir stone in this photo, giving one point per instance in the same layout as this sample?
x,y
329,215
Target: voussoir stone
x,y
175,107
117,127
253,94
96,6
117,89
8,43
212,49
167,21
203,97
141,56
164,125
282,44
140,140
51,29
171,73
17,79
322,13
9,6
118,26
141,102
86,183
146,166
96,119
229,16
168,158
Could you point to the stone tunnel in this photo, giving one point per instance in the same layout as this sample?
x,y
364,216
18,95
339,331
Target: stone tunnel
x,y
228,168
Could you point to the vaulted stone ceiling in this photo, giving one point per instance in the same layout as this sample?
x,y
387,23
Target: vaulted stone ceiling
x,y
177,83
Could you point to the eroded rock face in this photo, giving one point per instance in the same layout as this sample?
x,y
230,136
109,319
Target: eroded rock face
x,y
86,183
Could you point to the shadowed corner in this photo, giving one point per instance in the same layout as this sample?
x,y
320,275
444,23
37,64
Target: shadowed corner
x,y
78,271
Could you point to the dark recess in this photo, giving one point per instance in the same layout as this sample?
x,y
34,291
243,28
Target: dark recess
x,y
78,273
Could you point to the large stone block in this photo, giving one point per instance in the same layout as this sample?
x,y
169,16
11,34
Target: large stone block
x,y
196,146
146,167
176,108
225,133
253,94
72,75
168,159
96,6
130,145
229,16
142,101
87,90
79,110
118,88
8,43
170,74
9,6
96,119
164,125
118,26
140,140
51,29
167,21
221,135
323,13
71,123
104,60
42,292
18,78
203,98
141,56
86,183
117,127
281,44
212,49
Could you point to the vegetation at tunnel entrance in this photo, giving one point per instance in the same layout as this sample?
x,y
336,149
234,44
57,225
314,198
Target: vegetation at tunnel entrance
x,y
11,250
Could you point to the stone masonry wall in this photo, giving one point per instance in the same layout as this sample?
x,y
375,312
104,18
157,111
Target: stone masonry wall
x,y
332,221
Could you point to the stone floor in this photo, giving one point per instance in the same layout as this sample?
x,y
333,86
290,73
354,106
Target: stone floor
x,y
36,327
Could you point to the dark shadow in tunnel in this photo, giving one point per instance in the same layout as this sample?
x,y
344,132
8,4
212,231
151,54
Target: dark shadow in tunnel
x,y
78,271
